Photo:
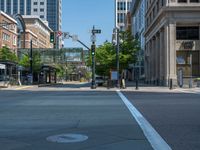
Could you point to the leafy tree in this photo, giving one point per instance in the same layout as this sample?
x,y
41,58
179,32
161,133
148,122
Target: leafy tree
x,y
105,59
37,63
106,54
7,54
61,70
128,49
25,61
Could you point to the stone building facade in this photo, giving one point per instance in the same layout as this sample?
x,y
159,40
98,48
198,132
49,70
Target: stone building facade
x,y
172,40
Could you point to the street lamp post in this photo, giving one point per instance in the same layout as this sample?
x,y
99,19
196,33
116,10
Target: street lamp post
x,y
116,43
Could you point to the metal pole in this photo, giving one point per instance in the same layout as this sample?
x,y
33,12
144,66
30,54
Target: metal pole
x,y
191,83
31,61
117,57
93,86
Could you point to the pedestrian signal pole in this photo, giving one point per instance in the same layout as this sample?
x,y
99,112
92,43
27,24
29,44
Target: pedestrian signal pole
x,y
93,47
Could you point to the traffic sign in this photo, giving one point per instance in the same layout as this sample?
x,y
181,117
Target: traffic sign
x,y
93,38
66,35
96,31
75,37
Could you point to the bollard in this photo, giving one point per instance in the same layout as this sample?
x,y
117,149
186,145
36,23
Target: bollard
x,y
170,84
108,84
136,85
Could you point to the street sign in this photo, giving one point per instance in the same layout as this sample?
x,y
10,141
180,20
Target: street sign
x,y
95,31
66,35
114,75
75,37
93,38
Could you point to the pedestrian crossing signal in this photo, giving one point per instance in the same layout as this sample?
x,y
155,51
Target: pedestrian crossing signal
x,y
52,37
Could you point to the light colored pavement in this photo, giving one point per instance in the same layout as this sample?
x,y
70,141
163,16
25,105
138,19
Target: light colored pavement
x,y
29,116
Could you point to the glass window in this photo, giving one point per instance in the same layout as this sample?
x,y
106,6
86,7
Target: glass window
x,y
28,7
182,1
194,1
22,7
35,3
8,10
187,33
15,6
2,5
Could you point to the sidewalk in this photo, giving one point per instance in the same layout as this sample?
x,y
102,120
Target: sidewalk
x,y
131,86
18,87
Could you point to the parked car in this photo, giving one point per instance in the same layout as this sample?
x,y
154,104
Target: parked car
x,y
99,80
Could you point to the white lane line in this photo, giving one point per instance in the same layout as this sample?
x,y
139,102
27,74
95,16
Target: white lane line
x,y
156,141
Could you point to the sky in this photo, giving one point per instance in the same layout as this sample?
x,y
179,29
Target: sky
x,y
79,16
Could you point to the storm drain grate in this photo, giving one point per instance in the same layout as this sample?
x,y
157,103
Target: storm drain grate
x,y
67,138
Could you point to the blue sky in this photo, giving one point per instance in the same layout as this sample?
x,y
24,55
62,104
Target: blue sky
x,y
79,16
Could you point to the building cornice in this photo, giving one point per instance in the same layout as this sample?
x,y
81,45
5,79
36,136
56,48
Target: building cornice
x,y
8,17
167,10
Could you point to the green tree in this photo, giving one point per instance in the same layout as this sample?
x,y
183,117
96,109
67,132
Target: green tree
x,y
25,61
106,54
7,54
105,59
61,70
128,49
37,62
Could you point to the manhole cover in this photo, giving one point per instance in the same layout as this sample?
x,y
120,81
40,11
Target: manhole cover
x,y
67,138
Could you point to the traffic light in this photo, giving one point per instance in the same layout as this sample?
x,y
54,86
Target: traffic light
x,y
52,37
93,49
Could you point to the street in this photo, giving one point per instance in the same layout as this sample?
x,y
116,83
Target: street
x,y
175,116
30,117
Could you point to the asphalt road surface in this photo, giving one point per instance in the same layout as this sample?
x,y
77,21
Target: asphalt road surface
x,y
29,118
174,116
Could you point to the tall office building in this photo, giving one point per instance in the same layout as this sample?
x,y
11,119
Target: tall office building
x,y
49,10
138,29
122,7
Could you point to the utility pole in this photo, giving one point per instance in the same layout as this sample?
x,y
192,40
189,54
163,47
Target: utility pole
x,y
93,47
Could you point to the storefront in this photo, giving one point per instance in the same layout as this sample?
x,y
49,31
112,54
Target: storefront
x,y
8,72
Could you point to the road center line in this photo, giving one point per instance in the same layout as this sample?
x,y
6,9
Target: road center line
x,y
156,141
